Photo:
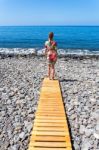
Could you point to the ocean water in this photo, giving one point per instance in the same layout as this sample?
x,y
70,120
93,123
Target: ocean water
x,y
69,38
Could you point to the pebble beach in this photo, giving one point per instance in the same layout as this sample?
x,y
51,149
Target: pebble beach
x,y
20,82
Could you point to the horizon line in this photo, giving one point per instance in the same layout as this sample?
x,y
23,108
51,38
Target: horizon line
x,y
47,25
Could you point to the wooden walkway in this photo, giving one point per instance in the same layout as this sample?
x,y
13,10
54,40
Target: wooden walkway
x,y
50,129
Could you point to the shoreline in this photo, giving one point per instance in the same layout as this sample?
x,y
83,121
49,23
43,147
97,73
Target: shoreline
x,y
62,53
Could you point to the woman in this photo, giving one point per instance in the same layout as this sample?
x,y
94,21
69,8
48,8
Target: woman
x,y
51,52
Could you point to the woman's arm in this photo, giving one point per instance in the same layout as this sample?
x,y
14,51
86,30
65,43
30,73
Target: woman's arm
x,y
46,51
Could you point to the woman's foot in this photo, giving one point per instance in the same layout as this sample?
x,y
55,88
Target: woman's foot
x,y
52,78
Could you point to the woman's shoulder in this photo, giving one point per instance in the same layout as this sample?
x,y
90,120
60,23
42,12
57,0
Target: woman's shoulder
x,y
47,43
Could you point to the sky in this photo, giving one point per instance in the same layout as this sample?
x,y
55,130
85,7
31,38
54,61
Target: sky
x,y
49,12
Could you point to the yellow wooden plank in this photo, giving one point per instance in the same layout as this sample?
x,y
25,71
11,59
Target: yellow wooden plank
x,y
40,148
57,104
51,117
48,104
50,138
52,101
50,129
50,144
53,121
49,124
44,96
49,114
42,107
54,133
52,111
50,107
50,98
57,96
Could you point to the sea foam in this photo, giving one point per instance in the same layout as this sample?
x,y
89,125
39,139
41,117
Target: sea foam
x,y
41,52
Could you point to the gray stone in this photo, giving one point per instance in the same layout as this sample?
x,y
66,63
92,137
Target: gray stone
x,y
18,102
84,121
22,91
93,100
18,127
29,127
16,138
88,132
15,124
77,147
95,115
73,116
1,89
10,134
10,109
17,118
22,135
96,135
22,96
32,116
31,110
22,85
15,90
14,147
3,113
86,146
97,127
9,101
82,129
11,94
4,96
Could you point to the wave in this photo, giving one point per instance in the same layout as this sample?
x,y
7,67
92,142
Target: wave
x,y
41,52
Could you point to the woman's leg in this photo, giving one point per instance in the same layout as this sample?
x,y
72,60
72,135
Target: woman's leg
x,y
53,71
49,71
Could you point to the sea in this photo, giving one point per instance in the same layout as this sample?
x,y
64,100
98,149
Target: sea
x,y
70,39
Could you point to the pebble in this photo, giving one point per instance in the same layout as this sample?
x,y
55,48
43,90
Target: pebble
x,y
86,146
14,147
22,135
97,127
88,132
82,129
16,138
96,134
76,146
